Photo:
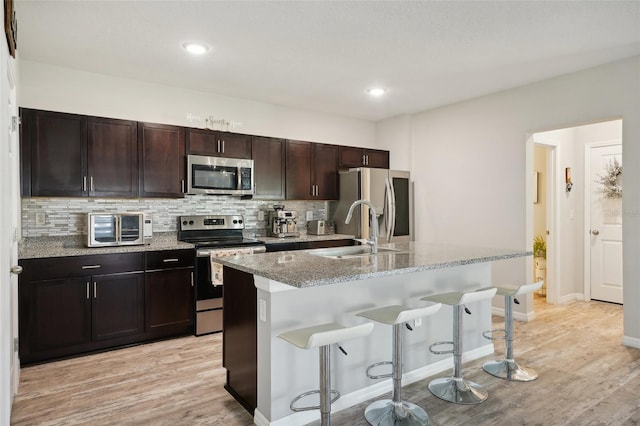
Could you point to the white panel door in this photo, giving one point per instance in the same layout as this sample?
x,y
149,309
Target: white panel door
x,y
605,228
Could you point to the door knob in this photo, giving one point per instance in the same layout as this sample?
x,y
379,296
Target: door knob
x,y
595,232
16,269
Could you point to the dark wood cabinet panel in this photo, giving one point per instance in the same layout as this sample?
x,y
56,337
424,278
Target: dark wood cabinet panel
x,y
54,151
360,157
324,171
169,299
269,168
112,157
311,171
161,149
58,319
117,305
218,144
239,339
298,170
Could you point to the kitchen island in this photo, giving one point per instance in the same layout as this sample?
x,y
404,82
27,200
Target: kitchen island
x,y
304,288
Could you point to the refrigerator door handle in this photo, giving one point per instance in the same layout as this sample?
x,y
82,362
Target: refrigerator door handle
x,y
389,201
392,213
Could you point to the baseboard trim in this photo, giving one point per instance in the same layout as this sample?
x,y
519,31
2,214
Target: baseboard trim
x,y
572,297
632,342
372,391
518,316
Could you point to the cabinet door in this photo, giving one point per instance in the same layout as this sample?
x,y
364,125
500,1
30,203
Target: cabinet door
x,y
235,145
169,296
324,170
58,317
112,158
269,168
377,158
298,173
161,151
117,305
55,151
351,156
218,144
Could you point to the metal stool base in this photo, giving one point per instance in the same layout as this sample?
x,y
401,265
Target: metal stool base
x,y
458,390
510,370
385,412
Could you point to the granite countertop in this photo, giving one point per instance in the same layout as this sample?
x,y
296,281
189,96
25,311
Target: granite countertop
x,y
75,245
303,269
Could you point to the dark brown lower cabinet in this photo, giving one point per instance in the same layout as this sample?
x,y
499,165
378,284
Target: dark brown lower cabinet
x,y
117,306
65,311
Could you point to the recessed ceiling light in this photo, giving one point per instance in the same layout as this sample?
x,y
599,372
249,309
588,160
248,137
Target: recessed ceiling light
x,y
376,91
195,48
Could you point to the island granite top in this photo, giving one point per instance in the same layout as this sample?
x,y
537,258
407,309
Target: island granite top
x,y
302,269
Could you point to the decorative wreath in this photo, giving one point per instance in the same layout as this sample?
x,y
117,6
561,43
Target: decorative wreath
x,y
612,181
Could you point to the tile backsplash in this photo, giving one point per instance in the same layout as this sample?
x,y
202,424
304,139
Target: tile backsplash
x,y
67,216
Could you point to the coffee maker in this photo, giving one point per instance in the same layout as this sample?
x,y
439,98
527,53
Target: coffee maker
x,y
282,223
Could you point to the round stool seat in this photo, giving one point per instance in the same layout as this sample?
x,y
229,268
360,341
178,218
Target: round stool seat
x,y
517,291
397,314
457,298
325,334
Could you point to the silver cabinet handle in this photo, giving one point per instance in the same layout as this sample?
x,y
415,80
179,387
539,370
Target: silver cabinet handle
x,y
16,269
90,266
219,145
595,232
95,290
84,183
223,145
182,186
91,183
87,290
192,279
366,160
169,260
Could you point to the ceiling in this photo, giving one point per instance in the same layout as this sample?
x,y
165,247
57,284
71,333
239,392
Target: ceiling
x,y
323,55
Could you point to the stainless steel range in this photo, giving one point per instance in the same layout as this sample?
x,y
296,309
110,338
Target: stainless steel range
x,y
214,236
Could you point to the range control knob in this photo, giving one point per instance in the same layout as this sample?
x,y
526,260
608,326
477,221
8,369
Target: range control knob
x,y
240,221
235,221
190,222
184,222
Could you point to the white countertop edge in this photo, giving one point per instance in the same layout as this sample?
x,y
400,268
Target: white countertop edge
x,y
271,286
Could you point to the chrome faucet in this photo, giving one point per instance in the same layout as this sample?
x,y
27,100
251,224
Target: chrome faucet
x,y
373,241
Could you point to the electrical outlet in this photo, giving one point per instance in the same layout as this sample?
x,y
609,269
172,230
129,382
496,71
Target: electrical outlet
x,y
309,215
263,310
417,322
260,215
40,218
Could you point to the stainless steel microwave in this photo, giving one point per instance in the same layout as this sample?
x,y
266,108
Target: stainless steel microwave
x,y
117,229
219,175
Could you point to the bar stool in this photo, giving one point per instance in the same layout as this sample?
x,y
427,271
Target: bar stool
x,y
322,337
508,368
395,411
456,389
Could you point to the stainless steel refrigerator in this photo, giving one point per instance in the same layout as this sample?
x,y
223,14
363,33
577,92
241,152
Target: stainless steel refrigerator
x,y
390,192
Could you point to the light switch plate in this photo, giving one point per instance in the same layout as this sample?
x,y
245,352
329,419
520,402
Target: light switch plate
x,y
309,215
40,218
260,215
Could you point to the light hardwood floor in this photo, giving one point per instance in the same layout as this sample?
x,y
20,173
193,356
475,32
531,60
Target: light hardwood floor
x,y
586,378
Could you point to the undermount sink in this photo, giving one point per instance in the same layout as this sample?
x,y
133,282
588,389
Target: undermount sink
x,y
351,252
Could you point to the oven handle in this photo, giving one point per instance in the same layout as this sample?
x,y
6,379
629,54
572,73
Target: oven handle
x,y
207,252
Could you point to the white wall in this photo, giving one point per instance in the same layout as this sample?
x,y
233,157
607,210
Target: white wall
x,y
468,163
62,89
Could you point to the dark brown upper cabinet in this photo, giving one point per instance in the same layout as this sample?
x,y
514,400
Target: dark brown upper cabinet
x,y
269,167
161,149
311,171
360,157
218,144
75,155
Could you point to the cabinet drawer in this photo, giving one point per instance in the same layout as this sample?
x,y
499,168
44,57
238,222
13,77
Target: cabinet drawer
x,y
75,266
170,259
